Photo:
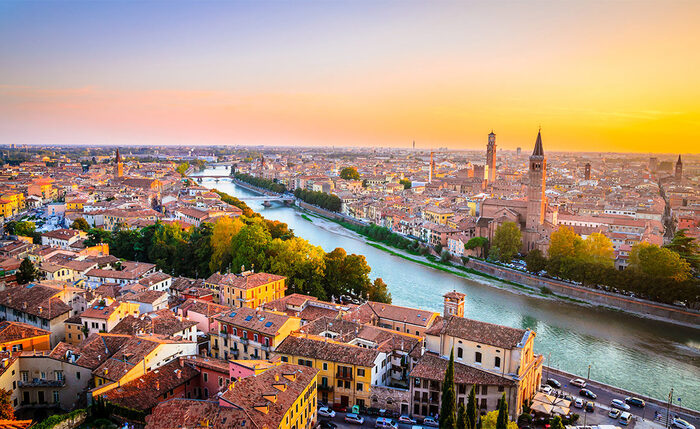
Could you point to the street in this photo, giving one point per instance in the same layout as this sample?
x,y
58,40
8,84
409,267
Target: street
x,y
600,416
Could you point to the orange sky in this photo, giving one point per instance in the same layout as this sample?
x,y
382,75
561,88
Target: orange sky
x,y
597,76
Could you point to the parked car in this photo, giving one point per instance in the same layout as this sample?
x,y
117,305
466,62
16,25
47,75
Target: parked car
x,y
354,419
681,424
635,401
554,383
385,423
431,422
339,408
578,382
590,406
587,393
327,424
625,418
326,412
546,389
406,419
619,404
568,398
614,413
578,403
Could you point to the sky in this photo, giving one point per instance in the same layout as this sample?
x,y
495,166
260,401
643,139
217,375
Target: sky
x,y
612,76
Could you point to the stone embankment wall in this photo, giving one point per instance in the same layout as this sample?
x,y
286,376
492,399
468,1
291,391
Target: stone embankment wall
x,y
655,310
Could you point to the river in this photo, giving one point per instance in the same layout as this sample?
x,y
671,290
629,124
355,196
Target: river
x,y
641,355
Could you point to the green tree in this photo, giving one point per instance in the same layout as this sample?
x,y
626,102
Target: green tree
x,y
462,418
27,272
507,241
480,243
686,247
502,420
223,231
472,414
556,423
448,406
535,261
97,236
25,228
406,183
349,173
598,249
248,248
7,411
302,263
80,224
658,262
182,168
379,292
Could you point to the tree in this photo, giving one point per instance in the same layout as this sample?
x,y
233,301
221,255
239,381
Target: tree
x,y
507,241
686,247
462,418
182,168
502,420
480,243
97,236
7,411
346,274
248,247
448,415
556,423
222,235
379,292
598,249
535,261
302,263
349,173
406,183
658,262
471,409
80,224
25,228
27,272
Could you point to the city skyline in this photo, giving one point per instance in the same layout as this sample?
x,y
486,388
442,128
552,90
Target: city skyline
x,y
596,77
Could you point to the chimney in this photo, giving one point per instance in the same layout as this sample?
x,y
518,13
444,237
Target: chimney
x,y
179,373
157,385
182,363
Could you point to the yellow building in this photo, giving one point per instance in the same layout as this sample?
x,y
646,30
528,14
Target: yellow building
x,y
346,372
75,204
16,336
438,215
247,289
103,318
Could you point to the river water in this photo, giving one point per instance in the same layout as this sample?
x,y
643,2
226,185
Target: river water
x,y
641,355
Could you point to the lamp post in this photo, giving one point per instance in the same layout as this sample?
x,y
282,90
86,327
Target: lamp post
x,y
589,373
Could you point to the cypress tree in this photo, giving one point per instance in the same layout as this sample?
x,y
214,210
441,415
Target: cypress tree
x,y
448,414
471,409
462,418
502,421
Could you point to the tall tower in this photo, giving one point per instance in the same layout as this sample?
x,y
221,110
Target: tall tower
x,y
536,186
432,168
454,304
679,169
118,167
653,164
587,173
491,156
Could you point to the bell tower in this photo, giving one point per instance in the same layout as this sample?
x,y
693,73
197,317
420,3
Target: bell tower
x,y
454,304
536,186
118,167
491,156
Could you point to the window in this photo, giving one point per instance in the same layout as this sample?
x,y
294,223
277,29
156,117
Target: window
x,y
221,381
460,352
484,389
56,397
501,388
77,375
58,375
497,362
325,366
25,376
235,331
483,403
340,383
255,338
359,387
416,383
360,372
284,359
477,357
206,377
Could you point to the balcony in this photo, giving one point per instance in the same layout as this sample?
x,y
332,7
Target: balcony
x,y
325,388
42,382
342,375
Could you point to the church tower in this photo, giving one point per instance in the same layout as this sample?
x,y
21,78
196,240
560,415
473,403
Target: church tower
x,y
454,304
536,186
119,167
679,169
491,156
587,172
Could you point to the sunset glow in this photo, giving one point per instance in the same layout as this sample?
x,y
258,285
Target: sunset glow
x,y
597,76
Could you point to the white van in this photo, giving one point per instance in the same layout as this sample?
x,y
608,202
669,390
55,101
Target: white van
x,y
625,418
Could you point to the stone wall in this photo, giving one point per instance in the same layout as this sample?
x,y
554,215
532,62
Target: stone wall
x,y
389,398
654,310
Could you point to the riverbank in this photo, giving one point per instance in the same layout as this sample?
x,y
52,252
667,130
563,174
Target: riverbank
x,y
542,287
